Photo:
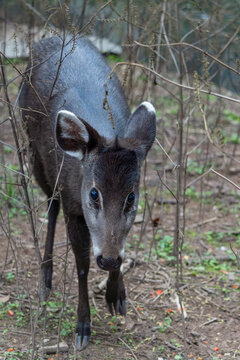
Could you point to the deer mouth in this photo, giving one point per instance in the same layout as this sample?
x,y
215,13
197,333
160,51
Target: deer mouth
x,y
109,263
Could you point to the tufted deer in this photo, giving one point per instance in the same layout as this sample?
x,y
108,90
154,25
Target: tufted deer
x,y
94,161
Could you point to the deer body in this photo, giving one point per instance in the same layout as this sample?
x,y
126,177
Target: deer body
x,y
94,155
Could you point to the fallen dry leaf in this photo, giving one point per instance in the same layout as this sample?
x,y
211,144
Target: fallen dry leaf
x,y
4,298
155,221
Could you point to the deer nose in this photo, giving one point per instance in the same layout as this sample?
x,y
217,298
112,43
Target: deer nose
x,y
109,263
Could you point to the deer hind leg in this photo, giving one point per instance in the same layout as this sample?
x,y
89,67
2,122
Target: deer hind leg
x,y
47,264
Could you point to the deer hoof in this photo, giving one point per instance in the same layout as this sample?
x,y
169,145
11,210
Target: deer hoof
x,y
83,335
119,306
44,293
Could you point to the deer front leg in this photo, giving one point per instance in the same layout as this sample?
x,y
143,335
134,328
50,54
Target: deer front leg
x,y
80,240
47,264
115,293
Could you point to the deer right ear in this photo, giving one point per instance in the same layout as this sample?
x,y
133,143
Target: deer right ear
x,y
142,128
71,134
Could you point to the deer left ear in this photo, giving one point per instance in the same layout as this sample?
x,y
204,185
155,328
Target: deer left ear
x,y
72,134
142,128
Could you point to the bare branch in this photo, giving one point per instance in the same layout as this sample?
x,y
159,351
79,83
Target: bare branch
x,y
225,178
209,92
196,48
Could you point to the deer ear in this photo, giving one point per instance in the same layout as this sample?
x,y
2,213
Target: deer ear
x,y
72,134
141,128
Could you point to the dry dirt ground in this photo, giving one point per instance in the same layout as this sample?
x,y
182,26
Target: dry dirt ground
x,y
204,326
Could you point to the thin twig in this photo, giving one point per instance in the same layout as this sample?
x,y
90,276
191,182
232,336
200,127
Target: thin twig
x,y
54,192
23,76
209,91
196,48
34,10
60,61
198,178
166,185
170,50
158,142
236,255
15,171
160,33
135,357
225,178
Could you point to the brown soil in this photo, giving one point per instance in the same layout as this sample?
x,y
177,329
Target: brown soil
x,y
154,327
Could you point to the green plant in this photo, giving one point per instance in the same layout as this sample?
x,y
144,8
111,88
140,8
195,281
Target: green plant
x,y
195,168
11,197
14,311
163,326
178,357
141,204
211,266
175,343
173,110
191,192
214,237
231,116
14,61
10,276
195,195
66,327
11,189
92,310
8,149
234,138
112,323
163,246
115,58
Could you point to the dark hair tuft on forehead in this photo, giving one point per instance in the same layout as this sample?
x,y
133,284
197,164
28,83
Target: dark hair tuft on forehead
x,y
117,168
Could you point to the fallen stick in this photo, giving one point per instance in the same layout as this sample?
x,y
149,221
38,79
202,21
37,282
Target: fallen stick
x,y
52,349
209,322
204,222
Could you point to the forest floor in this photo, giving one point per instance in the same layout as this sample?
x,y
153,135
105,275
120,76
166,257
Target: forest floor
x,y
199,322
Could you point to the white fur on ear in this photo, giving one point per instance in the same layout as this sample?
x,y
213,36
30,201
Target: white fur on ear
x,y
63,117
150,108
71,134
142,128
76,154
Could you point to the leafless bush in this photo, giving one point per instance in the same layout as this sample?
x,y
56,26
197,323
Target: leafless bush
x,y
175,54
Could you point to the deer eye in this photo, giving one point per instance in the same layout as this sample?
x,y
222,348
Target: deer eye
x,y
130,198
94,194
